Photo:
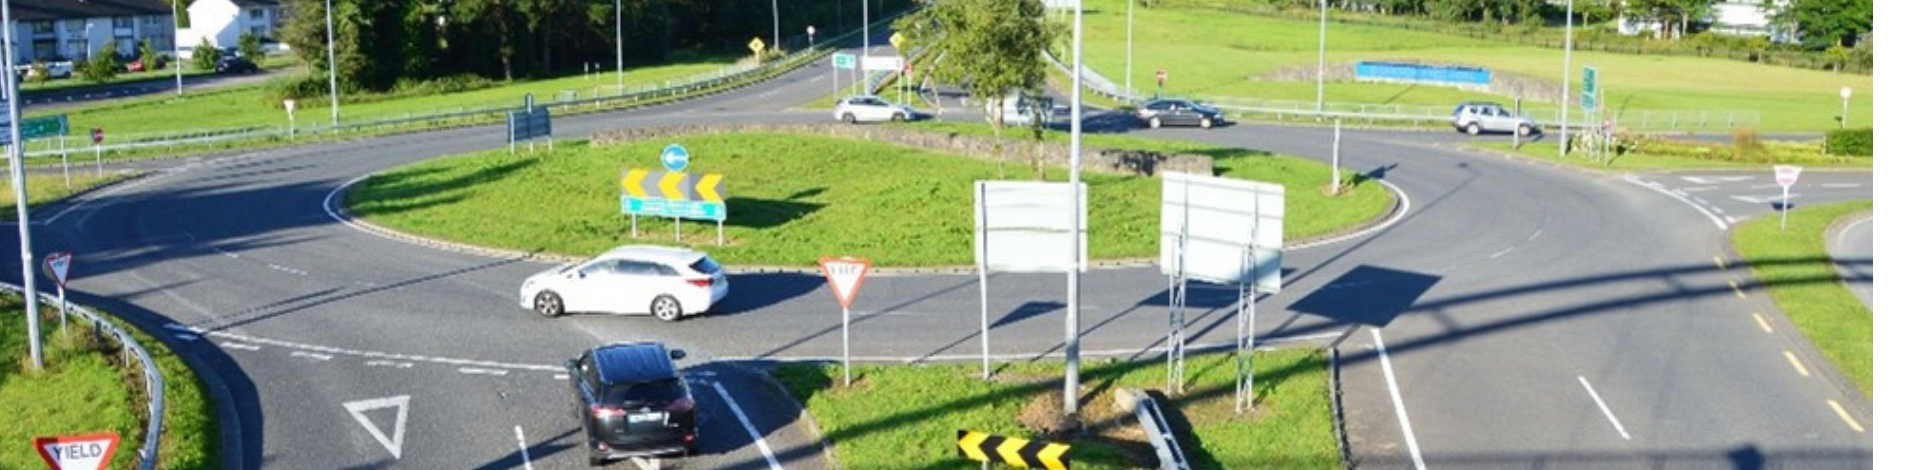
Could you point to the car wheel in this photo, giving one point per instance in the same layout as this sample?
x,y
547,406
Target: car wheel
x,y
1206,123
1526,131
1473,128
899,117
549,304
667,308
1153,122
848,118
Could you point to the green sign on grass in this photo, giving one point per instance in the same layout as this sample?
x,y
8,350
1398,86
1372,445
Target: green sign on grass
x,y
1589,88
38,127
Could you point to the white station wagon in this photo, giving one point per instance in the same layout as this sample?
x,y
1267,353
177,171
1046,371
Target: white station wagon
x,y
666,282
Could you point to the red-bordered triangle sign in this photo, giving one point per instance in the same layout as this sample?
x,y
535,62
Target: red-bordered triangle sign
x,y
81,452
844,275
56,266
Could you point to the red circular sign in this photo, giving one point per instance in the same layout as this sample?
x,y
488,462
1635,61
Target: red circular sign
x,y
1161,75
98,135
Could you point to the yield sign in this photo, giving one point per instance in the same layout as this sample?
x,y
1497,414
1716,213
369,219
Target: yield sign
x,y
391,441
844,275
82,452
1786,175
57,265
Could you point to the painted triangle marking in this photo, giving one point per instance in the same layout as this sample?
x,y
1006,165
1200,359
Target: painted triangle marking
x,y
844,276
359,410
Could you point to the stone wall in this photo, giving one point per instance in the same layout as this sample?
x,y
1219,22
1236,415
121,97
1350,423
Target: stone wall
x,y
1130,162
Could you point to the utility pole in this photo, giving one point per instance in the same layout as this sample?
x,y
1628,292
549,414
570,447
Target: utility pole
x,y
1130,49
619,48
15,154
1566,79
333,70
179,82
1073,187
1320,89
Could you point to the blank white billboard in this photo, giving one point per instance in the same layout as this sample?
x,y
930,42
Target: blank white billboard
x,y
1024,226
1222,230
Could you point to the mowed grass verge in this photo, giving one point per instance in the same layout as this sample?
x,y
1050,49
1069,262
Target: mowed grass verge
x,y
44,188
1682,157
794,198
85,389
1210,52
1798,274
1290,426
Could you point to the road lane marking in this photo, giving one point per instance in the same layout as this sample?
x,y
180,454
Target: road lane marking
x,y
359,411
479,371
1406,206
364,354
241,346
387,363
1763,323
1536,234
1736,289
1797,366
1604,409
1721,262
757,440
518,435
1501,253
1841,185
1656,188
314,356
1844,416
185,337
1399,408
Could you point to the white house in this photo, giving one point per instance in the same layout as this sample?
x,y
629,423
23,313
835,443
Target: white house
x,y
1750,18
59,30
221,22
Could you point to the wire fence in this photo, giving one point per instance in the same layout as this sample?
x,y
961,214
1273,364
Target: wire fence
x,y
149,452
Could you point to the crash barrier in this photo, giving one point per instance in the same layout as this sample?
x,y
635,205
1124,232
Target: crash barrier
x,y
150,373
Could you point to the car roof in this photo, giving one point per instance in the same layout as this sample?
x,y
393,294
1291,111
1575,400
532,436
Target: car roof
x,y
633,362
667,254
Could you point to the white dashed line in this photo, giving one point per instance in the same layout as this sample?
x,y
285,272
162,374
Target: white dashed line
x,y
240,346
185,337
479,371
393,364
1501,253
1797,366
314,356
365,354
285,269
1399,407
1604,410
1841,185
1536,234
765,451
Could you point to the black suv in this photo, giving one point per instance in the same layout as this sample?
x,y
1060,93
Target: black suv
x,y
633,402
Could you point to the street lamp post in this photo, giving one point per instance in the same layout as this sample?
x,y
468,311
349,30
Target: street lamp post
x,y
179,80
333,70
866,39
1566,79
776,25
15,154
619,48
1072,391
1130,49
1320,88
1846,97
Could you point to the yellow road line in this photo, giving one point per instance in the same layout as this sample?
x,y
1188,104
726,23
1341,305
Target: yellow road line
x,y
1721,262
1797,366
1736,289
1843,415
1763,323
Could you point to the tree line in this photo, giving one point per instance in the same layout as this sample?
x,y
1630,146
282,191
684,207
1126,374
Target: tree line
x,y
382,43
1820,23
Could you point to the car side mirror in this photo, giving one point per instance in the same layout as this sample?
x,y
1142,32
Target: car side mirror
x,y
677,354
573,364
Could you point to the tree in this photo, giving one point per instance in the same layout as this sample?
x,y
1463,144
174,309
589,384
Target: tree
x,y
205,56
250,47
993,47
104,65
149,60
1825,23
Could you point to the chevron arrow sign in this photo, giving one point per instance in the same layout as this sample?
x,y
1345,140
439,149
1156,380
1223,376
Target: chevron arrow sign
x,y
652,184
1013,451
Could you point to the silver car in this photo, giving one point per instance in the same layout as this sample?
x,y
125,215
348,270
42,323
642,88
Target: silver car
x,y
1475,117
854,109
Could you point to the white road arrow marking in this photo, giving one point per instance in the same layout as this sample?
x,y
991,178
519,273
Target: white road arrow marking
x,y
359,410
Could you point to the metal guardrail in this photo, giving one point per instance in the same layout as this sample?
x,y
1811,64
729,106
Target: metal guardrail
x,y
1165,445
156,387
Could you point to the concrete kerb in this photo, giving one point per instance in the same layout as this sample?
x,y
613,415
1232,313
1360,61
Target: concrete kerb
x,y
813,427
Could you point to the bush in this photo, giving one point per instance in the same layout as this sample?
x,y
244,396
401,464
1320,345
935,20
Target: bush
x,y
103,66
148,59
205,56
1850,142
301,88
250,47
1746,145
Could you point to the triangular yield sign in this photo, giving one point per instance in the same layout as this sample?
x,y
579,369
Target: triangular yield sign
x,y
57,265
82,452
359,410
844,275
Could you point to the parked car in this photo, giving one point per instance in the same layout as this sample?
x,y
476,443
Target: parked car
x,y
668,283
1164,112
235,65
854,109
1474,117
1020,110
632,402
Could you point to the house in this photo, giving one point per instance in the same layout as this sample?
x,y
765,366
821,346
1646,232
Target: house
x,y
1750,18
221,22
61,30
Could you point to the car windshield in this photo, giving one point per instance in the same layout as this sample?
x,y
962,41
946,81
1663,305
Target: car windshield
x,y
654,393
706,266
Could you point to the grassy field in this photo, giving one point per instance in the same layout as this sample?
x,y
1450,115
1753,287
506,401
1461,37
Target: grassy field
x,y
794,198
82,390
1798,274
1238,49
1289,428
248,106
1673,155
43,188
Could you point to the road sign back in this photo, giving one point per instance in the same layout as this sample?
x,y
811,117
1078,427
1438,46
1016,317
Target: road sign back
x,y
844,275
81,452
1786,175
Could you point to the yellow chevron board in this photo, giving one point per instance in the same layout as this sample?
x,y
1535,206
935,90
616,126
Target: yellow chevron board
x,y
1013,451
674,185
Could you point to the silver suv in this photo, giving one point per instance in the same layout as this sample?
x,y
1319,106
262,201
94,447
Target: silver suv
x,y
1474,117
861,108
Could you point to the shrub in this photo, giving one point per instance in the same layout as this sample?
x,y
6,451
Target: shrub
x,y
148,59
250,47
205,56
1850,142
103,66
1746,145
301,88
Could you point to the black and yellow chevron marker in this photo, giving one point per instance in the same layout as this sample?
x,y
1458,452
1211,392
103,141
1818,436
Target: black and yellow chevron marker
x,y
674,185
1017,452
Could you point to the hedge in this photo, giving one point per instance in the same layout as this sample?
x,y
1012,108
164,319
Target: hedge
x,y
1850,142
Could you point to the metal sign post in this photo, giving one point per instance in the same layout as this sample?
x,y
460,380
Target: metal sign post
x,y
1786,175
844,276
1222,231
98,135
56,266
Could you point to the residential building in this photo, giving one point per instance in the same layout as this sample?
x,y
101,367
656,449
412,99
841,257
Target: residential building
x,y
1750,18
221,22
59,30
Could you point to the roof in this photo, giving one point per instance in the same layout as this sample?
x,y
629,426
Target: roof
x,y
253,3
634,362
44,10
655,253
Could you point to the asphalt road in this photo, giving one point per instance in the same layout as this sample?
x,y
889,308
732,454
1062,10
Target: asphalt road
x,y
1516,314
64,97
1852,250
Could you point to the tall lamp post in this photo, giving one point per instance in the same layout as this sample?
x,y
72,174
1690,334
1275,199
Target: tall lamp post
x,y
179,80
776,25
619,48
15,154
1566,79
1130,49
1846,97
1320,87
333,70
1072,391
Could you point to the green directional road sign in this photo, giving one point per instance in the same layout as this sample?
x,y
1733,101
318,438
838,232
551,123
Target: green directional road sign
x,y
843,61
1589,87
39,127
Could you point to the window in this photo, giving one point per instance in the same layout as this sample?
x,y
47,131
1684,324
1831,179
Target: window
x,y
75,27
43,27
257,13
77,47
596,268
259,32
123,22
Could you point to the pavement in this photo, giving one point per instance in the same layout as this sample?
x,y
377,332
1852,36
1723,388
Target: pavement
x,y
1515,314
